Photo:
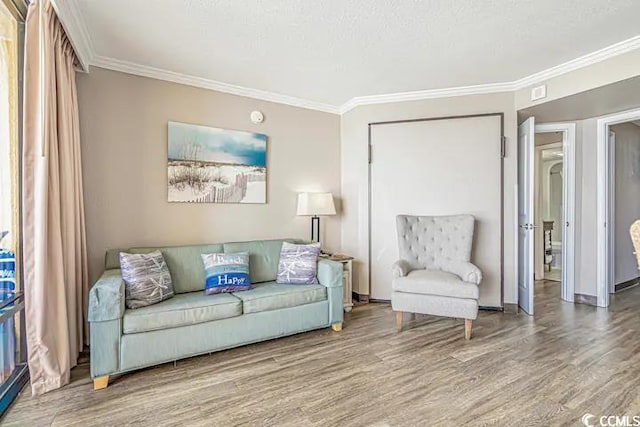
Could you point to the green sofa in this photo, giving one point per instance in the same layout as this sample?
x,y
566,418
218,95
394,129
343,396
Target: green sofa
x,y
193,323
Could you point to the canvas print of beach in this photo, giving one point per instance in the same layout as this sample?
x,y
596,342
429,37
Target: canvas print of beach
x,y
212,165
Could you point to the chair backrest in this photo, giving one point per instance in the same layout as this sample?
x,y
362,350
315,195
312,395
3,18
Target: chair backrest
x,y
432,241
634,231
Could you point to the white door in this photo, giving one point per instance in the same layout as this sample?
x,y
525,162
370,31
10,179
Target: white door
x,y
438,167
526,142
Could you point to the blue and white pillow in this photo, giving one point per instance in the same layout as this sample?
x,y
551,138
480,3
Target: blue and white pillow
x,y
226,272
298,264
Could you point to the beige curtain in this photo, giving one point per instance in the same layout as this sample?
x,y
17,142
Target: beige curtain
x,y
55,260
8,131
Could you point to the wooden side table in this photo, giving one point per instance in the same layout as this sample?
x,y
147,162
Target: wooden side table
x,y
347,273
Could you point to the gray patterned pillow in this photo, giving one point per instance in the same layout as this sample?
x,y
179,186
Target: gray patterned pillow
x,y
298,264
146,277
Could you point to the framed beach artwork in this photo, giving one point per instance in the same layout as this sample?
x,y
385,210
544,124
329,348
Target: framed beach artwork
x,y
213,165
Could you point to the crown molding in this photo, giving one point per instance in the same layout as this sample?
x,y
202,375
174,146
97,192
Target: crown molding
x,y
426,94
583,61
608,52
74,26
185,79
69,14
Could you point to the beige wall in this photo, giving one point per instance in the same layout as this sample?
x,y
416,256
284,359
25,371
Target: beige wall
x,y
612,70
627,200
355,237
123,120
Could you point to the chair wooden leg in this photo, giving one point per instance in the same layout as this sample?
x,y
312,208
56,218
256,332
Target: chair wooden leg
x,y
468,324
337,326
100,382
399,321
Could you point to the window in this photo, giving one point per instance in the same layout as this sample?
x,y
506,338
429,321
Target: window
x,y
13,368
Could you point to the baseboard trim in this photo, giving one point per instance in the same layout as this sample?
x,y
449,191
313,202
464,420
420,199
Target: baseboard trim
x,y
361,298
586,299
628,284
510,308
490,308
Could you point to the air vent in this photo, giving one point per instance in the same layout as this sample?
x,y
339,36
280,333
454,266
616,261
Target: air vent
x,y
539,92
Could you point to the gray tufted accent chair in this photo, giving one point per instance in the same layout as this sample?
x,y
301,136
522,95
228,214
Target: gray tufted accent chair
x,y
434,274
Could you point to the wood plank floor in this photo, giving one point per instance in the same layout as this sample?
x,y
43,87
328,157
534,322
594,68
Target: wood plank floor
x,y
547,370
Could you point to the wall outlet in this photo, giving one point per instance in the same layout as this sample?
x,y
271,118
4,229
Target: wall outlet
x,y
538,92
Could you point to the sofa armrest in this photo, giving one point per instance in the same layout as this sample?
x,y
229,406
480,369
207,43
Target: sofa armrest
x,y
400,268
330,273
106,298
465,270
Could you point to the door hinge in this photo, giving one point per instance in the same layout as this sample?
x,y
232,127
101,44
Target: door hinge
x,y
369,154
503,147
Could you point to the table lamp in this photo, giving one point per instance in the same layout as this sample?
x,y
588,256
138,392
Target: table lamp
x,y
315,205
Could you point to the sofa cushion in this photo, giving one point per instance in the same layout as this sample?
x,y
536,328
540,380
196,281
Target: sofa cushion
x,y
226,272
435,282
263,257
112,258
181,310
273,296
184,262
147,279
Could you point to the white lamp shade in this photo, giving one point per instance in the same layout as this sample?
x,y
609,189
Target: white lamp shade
x,y
315,204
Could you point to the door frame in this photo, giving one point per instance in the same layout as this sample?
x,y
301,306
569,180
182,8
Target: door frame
x,y
569,201
604,202
539,187
501,189
611,254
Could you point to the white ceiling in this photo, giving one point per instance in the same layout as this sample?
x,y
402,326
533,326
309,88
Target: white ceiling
x,y
331,51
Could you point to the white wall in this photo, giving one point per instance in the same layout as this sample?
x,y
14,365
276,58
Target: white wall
x,y
355,238
627,198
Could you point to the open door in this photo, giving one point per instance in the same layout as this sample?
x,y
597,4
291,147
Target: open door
x,y
526,142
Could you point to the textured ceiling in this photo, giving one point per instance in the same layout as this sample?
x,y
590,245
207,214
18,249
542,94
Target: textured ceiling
x,y
330,51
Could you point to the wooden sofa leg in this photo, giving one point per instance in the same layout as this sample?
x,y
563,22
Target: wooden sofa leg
x,y
337,326
399,321
468,324
100,382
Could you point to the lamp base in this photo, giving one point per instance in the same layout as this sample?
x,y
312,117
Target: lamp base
x,y
315,228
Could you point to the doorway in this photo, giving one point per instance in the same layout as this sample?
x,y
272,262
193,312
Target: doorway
x,y
618,155
548,206
546,232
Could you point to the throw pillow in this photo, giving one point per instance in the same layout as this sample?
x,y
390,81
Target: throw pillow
x,y
146,277
298,264
226,272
